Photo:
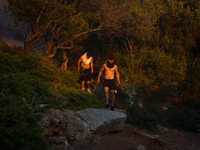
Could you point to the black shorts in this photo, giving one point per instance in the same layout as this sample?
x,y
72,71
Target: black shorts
x,y
110,84
86,75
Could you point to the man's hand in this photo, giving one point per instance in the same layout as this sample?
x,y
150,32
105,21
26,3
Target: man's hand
x,y
98,81
118,83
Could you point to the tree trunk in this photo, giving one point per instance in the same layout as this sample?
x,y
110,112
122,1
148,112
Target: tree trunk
x,y
64,61
30,41
28,46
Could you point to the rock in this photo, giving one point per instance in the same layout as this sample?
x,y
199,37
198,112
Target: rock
x,y
102,121
64,129
79,130
141,147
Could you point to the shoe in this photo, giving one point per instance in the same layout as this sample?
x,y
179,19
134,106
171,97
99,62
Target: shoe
x,y
89,90
83,89
107,106
112,108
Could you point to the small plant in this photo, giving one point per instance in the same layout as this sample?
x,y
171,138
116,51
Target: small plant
x,y
35,106
129,94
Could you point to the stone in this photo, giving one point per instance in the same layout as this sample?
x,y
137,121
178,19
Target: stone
x,y
102,121
141,147
64,129
79,130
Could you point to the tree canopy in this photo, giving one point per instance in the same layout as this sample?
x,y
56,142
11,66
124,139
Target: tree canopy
x,y
155,42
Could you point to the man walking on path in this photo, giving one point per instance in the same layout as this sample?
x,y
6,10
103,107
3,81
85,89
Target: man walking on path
x,y
85,64
109,84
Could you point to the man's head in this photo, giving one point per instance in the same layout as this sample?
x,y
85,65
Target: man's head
x,y
88,55
110,59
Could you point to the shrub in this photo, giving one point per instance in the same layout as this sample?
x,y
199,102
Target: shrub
x,y
156,111
99,93
140,117
78,99
182,118
128,94
18,126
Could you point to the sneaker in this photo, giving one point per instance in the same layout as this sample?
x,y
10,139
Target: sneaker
x,y
83,89
107,106
112,108
89,90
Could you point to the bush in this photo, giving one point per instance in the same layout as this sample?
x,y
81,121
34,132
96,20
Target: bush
x,y
78,99
18,126
140,117
156,111
182,118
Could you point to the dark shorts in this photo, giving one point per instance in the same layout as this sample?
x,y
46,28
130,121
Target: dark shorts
x,y
86,75
110,84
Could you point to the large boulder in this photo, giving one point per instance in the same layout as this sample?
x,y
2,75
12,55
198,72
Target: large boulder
x,y
78,130
101,121
64,129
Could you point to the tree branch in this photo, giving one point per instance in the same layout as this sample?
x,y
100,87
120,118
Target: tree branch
x,y
92,30
40,14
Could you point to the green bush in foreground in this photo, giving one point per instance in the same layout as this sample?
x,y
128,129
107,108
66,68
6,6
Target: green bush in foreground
x,y
18,126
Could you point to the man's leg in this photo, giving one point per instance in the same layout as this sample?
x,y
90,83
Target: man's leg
x,y
106,90
112,97
83,85
112,93
88,79
88,86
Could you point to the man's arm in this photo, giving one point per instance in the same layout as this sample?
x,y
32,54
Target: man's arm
x,y
117,75
79,61
100,72
92,65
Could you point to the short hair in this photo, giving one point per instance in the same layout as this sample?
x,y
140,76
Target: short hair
x,y
88,54
111,58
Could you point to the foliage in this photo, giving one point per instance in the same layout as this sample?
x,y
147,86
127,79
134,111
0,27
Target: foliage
x,y
156,110
182,118
155,44
127,94
160,95
78,99
35,106
18,125
99,93
141,118
21,77
150,67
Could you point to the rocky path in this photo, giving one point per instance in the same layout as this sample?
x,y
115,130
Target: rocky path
x,y
130,138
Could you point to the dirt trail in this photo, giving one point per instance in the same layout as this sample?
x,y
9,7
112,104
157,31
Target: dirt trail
x,y
165,139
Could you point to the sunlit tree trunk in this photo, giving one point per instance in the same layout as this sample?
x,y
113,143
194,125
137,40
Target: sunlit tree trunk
x,y
64,61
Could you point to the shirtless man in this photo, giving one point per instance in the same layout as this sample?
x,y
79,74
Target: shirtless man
x,y
109,82
85,64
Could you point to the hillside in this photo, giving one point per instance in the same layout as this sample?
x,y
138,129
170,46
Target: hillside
x,y
28,82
